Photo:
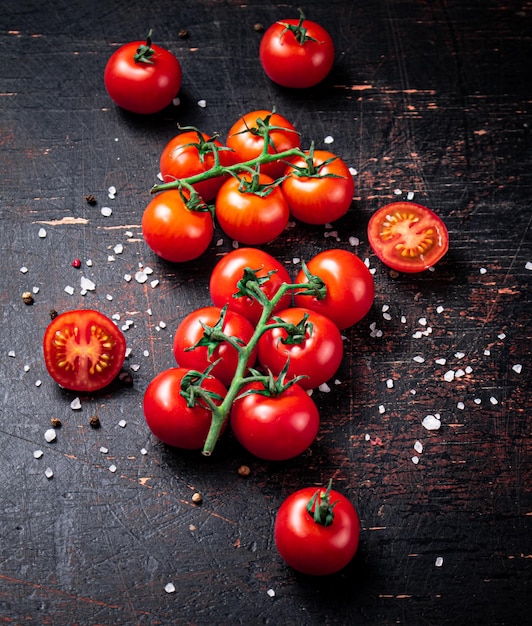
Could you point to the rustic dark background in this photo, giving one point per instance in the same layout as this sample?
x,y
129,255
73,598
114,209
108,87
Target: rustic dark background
x,y
430,98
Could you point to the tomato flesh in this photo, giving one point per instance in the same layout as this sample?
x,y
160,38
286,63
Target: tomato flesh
x,y
408,237
83,350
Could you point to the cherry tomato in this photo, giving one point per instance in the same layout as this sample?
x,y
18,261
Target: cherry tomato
x,y
191,153
296,53
317,356
407,237
230,270
319,189
246,138
248,216
173,231
170,418
190,331
83,350
312,547
277,427
350,288
142,77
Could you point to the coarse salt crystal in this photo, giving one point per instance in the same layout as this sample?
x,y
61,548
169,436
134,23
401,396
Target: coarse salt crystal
x,y
50,435
417,335
118,249
415,460
146,353
324,387
459,373
460,406
413,392
501,335
419,359
154,283
11,353
38,382
35,289
440,309
372,271
23,269
70,290
389,383
441,361
169,587
122,423
48,472
439,561
162,324
112,190
477,401
468,369
328,139
385,307
387,316
141,277
448,376
487,352
403,319
112,468
381,409
528,265
418,447
26,368
87,284
106,211
38,454
202,103
176,102
88,263
517,368
135,367
75,405
367,436
127,278
104,450
431,422
271,593
109,297
397,192
143,451
42,233
354,241
494,400
353,171
410,195
482,270
459,355
422,321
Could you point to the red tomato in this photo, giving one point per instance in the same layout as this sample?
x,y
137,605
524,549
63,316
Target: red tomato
x,y
248,217
142,77
191,153
350,288
296,53
230,270
407,237
317,357
173,231
320,191
167,414
275,428
190,331
311,547
246,138
83,350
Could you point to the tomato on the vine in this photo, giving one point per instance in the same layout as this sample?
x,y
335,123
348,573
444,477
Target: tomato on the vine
x,y
275,427
229,271
319,188
173,231
350,287
167,412
83,350
249,216
142,77
296,53
407,237
317,531
246,138
313,344
191,153
191,331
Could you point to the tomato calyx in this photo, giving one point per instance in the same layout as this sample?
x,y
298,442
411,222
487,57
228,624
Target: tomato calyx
x,y
315,287
194,393
272,386
145,51
213,336
312,169
321,508
252,184
296,334
299,31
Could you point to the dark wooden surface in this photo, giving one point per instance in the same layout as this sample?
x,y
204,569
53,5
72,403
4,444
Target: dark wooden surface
x,y
431,98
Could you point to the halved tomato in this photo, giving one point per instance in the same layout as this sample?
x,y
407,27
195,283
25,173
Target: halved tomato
x,y
407,237
83,350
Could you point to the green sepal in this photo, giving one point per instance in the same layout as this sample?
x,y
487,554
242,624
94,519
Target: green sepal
x,y
320,507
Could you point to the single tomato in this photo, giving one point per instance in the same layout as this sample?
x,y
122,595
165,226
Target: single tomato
x,y
173,231
229,270
407,237
83,350
319,188
252,213
317,531
312,343
168,415
247,136
350,287
296,53
275,427
142,77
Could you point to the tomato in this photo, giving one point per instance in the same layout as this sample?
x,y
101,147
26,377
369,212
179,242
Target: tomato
x,y
315,547
190,331
296,53
173,231
277,427
317,357
319,189
407,237
83,350
350,288
142,77
170,418
246,138
248,216
230,269
191,153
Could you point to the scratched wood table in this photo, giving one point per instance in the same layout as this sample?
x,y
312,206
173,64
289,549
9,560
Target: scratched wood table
x,y
427,100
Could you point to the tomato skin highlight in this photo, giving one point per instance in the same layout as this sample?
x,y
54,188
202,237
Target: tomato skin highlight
x,y
317,358
248,217
408,237
167,414
315,200
291,64
309,547
350,287
83,350
275,428
142,87
173,231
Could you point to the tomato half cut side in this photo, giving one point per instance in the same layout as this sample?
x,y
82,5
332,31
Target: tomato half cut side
x,y
408,237
83,350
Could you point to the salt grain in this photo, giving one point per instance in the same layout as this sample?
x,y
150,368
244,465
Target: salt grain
x,y
419,359
387,316
353,171
38,454
118,249
460,406
104,450
87,284
418,447
389,383
397,192
422,321
75,405
483,270
169,588
70,290
141,277
122,423
271,593
23,269
459,373
112,468
354,241
162,324
431,422
487,352
154,283
494,400
440,309
328,139
517,368
501,336
48,472
403,319
202,103
528,265
439,561
448,376
143,451
468,369
415,460
410,195
109,297
127,278
106,211
42,233
38,382
324,388
88,263
11,353
459,355
381,409
477,401
50,435
441,361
